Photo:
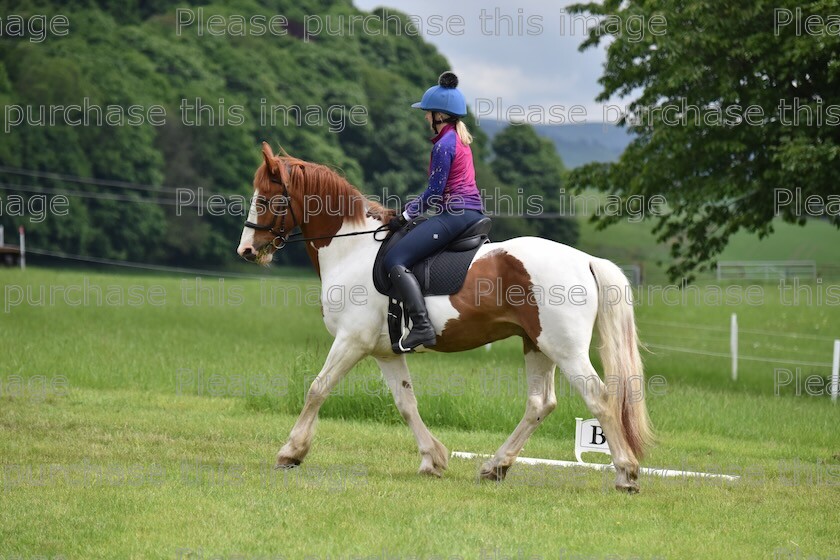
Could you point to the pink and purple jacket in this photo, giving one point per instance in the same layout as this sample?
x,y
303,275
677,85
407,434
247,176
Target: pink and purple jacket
x,y
451,177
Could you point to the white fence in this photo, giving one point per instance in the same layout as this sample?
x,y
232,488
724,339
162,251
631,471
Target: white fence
x,y
766,270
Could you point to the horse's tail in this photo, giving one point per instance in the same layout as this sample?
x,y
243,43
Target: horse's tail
x,y
623,372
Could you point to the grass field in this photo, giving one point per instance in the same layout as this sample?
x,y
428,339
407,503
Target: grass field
x,y
146,428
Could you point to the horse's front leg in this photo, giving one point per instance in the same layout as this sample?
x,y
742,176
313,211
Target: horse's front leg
x,y
433,453
344,354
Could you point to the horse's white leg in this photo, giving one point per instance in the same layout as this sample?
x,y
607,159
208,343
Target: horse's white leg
x,y
583,377
434,454
539,370
344,354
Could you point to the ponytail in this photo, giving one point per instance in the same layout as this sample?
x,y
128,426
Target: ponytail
x,y
460,128
463,134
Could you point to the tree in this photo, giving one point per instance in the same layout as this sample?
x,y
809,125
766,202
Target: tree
x,y
125,53
529,162
719,167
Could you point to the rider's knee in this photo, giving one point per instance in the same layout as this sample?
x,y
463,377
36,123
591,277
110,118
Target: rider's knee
x,y
392,260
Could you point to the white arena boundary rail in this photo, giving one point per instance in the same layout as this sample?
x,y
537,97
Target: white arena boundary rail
x,y
735,357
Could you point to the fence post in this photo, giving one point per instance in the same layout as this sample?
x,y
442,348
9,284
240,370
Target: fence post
x,y
733,345
2,236
22,248
835,372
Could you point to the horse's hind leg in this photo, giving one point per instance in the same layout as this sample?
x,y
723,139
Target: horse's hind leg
x,y
434,454
584,379
539,370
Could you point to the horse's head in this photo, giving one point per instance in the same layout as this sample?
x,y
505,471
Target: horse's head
x,y
272,215
289,193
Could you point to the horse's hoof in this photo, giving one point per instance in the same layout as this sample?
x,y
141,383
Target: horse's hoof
x,y
631,488
489,472
429,467
286,463
430,471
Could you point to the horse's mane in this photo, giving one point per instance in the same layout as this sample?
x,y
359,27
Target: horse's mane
x,y
335,192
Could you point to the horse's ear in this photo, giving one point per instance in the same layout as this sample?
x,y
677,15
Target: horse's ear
x,y
270,159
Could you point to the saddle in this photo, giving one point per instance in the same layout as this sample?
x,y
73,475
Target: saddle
x,y
440,274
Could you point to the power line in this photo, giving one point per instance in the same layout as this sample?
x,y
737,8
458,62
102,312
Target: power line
x,y
153,188
176,190
84,180
144,266
107,196
83,194
101,182
196,204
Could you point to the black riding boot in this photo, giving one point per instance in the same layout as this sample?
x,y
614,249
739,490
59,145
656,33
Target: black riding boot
x,y
422,331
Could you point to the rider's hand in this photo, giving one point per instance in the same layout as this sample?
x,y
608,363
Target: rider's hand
x,y
397,222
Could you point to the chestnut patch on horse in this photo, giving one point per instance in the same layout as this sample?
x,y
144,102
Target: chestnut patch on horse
x,y
497,301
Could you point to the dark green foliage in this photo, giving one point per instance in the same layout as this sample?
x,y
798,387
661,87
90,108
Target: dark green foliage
x,y
128,53
124,53
718,177
523,160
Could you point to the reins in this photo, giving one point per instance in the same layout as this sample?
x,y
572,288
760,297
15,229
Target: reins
x,y
289,239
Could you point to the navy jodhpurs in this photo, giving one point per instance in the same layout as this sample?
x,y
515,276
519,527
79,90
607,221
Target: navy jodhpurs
x,y
430,237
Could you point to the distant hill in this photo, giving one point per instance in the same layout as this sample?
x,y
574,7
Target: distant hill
x,y
576,143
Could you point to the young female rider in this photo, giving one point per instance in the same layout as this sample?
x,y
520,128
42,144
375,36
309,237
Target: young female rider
x,y
452,192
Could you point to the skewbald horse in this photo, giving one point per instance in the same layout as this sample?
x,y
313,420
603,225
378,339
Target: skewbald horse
x,y
504,295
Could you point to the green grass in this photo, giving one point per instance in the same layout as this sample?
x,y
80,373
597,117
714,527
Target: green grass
x,y
130,407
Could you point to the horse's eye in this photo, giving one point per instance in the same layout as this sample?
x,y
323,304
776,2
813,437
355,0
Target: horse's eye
x,y
260,203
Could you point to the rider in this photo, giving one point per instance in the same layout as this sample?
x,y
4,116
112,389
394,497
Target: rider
x,y
452,192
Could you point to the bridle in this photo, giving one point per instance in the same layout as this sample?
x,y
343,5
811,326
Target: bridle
x,y
280,231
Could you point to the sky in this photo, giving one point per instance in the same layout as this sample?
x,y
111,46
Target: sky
x,y
518,56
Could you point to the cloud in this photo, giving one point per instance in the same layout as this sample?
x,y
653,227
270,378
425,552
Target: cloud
x,y
504,56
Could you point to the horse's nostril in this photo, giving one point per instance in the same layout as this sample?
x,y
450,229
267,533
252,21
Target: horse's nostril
x,y
247,253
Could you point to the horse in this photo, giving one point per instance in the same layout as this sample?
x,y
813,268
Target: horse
x,y
507,292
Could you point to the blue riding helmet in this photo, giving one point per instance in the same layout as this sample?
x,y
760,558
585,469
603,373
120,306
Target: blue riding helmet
x,y
444,97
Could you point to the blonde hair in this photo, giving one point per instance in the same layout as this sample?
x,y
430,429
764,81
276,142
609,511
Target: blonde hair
x,y
463,134
460,128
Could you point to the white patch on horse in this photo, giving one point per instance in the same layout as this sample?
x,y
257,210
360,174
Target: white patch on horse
x,y
566,326
346,265
247,239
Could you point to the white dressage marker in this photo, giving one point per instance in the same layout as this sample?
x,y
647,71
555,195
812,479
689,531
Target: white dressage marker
x,y
589,437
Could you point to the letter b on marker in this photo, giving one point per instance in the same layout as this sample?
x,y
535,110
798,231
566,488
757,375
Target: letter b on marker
x,y
598,437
